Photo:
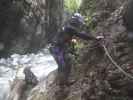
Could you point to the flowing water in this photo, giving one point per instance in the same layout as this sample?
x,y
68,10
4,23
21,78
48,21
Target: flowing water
x,y
42,64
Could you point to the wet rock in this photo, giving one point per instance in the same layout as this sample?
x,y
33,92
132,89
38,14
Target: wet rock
x,y
18,87
36,68
30,78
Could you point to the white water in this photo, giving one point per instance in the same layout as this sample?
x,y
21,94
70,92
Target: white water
x,y
42,64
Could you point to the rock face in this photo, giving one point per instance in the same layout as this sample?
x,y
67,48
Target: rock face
x,y
95,77
17,88
41,91
26,24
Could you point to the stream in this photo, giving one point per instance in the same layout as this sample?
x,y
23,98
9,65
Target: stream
x,y
42,64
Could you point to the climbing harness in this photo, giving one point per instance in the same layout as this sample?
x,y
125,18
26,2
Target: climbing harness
x,y
115,63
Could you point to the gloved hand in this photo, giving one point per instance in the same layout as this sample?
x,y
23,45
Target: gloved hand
x,y
99,37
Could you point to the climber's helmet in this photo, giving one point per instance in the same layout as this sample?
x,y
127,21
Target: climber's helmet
x,y
77,20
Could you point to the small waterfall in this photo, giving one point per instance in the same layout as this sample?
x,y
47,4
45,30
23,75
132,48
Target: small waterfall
x,y
42,64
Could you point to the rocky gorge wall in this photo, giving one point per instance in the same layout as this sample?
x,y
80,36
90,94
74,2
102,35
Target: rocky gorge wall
x,y
96,77
27,25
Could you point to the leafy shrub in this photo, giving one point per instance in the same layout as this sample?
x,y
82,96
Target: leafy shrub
x,y
88,8
72,5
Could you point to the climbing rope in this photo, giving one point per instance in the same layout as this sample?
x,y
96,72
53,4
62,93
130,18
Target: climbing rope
x,y
115,63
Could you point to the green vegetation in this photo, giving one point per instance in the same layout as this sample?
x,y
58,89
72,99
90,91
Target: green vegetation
x,y
85,7
88,9
72,5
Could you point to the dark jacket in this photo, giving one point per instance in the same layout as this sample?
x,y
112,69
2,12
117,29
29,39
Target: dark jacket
x,y
66,35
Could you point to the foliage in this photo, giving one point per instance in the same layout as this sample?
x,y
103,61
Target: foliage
x,y
85,7
88,8
72,5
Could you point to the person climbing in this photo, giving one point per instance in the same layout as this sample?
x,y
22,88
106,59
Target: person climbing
x,y
60,46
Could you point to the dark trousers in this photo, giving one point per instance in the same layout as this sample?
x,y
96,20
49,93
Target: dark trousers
x,y
63,61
